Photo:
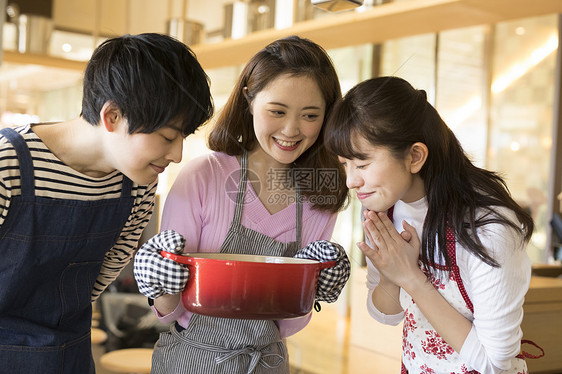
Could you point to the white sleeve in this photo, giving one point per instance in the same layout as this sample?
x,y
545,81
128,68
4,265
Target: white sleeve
x,y
497,294
373,279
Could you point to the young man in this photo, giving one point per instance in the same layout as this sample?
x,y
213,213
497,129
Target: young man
x,y
76,195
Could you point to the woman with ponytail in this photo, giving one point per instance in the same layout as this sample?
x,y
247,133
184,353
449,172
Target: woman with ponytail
x,y
444,240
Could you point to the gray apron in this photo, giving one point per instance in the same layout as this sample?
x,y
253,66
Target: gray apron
x,y
213,345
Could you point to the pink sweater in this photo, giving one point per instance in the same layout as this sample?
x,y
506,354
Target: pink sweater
x,y
201,204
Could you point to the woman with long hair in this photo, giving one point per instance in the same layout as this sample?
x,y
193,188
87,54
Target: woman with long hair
x,y
445,241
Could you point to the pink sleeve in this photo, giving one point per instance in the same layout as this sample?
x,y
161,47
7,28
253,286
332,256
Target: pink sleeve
x,y
182,212
183,207
288,327
169,318
198,194
198,208
317,226
329,229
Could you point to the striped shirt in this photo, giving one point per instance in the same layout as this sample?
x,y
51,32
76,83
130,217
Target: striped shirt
x,y
55,180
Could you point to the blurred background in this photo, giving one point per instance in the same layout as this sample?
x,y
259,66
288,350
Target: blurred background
x,y
491,68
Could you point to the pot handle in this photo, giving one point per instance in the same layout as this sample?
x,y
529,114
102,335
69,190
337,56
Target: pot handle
x,y
327,264
177,258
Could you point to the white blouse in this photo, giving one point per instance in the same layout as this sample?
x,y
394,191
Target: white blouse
x,y
497,293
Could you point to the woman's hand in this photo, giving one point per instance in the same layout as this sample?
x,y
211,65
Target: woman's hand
x,y
394,254
155,274
332,280
396,258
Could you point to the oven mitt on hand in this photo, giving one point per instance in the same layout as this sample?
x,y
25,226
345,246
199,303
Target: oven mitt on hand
x,y
155,274
331,280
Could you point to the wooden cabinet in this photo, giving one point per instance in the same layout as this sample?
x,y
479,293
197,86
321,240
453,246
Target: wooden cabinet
x,y
375,25
110,17
542,323
380,23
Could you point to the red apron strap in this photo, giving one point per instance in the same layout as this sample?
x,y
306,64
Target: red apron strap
x,y
451,250
390,212
525,355
457,276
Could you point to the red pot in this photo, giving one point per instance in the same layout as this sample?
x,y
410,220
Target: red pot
x,y
249,287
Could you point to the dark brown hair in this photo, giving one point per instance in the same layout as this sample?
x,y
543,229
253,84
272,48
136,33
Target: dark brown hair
x,y
389,112
233,132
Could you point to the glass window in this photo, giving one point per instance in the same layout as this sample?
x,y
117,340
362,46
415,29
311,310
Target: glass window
x,y
494,87
461,88
521,115
413,59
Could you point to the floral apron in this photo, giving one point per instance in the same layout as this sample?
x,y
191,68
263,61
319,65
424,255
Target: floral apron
x,y
214,345
423,350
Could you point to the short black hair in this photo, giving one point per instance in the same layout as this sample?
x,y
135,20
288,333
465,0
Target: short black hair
x,y
152,78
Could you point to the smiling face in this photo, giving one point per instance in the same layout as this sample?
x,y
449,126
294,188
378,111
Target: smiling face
x,y
382,178
141,157
287,116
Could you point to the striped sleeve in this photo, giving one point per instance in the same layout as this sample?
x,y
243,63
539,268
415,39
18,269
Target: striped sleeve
x,y
54,179
122,252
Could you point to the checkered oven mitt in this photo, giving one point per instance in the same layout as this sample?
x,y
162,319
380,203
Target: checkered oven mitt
x,y
331,280
155,274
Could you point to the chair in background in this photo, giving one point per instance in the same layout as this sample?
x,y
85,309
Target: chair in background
x,y
130,360
129,321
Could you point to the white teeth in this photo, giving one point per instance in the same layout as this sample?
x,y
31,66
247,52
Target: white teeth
x,y
285,144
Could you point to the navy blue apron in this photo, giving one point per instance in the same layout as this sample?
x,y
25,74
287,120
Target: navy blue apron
x,y
51,252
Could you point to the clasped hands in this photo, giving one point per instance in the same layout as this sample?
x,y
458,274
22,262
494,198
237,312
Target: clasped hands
x,y
394,254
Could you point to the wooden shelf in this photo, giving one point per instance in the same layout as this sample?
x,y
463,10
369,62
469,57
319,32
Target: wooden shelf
x,y
378,24
542,323
375,25
43,60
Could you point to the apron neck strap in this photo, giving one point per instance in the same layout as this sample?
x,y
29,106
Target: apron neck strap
x,y
127,187
240,196
24,159
241,188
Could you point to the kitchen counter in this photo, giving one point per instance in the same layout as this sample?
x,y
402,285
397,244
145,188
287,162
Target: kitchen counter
x,y
336,343
542,323
547,270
